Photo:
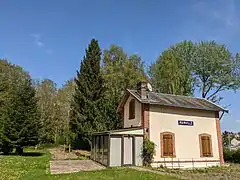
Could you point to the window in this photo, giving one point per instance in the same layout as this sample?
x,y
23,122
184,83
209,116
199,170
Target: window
x,y
132,109
205,141
167,144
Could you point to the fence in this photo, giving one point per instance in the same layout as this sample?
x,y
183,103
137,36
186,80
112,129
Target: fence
x,y
185,163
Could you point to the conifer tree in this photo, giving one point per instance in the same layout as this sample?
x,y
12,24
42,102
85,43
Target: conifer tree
x,y
85,114
19,118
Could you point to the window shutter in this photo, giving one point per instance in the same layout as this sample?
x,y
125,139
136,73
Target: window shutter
x,y
206,145
168,145
132,109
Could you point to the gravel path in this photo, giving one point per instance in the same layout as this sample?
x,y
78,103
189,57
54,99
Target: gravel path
x,y
71,166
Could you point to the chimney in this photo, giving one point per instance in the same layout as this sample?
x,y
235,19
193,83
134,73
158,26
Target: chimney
x,y
142,89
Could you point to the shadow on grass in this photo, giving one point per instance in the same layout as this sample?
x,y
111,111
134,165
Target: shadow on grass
x,y
26,154
34,154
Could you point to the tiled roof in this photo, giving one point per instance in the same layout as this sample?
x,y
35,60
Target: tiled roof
x,y
177,101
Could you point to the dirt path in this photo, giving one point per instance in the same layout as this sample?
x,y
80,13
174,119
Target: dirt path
x,y
59,154
70,162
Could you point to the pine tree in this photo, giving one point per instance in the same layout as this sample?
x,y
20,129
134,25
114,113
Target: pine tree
x,y
85,115
19,114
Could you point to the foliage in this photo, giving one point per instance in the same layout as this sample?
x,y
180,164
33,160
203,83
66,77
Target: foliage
x,y
227,137
46,94
171,72
19,118
205,66
85,114
232,156
215,69
64,99
112,118
228,154
148,151
54,107
120,71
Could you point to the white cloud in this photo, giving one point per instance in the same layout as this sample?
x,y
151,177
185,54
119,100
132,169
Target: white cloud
x,y
38,42
37,39
220,19
237,121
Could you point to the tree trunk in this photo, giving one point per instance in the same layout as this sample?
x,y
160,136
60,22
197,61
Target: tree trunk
x,y
55,138
6,149
19,150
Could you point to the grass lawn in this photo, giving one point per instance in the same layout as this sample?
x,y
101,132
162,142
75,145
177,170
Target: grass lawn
x,y
35,165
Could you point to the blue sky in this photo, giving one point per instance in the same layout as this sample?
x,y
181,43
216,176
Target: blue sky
x,y
48,38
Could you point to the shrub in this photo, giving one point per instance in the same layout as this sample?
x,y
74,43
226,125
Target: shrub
x,y
7,149
228,155
236,156
232,156
148,152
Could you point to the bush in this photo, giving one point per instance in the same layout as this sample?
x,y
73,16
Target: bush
x,y
148,152
236,156
232,156
228,155
6,149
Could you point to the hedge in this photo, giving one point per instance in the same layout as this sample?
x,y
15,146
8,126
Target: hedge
x,y
232,156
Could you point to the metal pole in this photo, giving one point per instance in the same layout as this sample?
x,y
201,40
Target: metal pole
x,y
229,141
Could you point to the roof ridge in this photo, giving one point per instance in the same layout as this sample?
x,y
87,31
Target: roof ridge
x,y
172,94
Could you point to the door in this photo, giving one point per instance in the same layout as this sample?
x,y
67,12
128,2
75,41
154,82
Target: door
x,y
128,148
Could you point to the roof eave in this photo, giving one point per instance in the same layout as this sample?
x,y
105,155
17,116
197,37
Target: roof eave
x,y
186,107
127,91
222,109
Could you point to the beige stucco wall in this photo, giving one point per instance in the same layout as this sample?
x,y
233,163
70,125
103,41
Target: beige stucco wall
x,y
133,122
186,137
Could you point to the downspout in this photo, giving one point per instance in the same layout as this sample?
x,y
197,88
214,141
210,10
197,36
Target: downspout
x,y
221,115
220,143
109,151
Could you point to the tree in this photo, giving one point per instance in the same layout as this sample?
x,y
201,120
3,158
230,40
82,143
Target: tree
x,y
171,73
205,66
226,138
64,99
19,116
85,114
120,71
48,107
215,70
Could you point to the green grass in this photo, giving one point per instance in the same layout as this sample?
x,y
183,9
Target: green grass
x,y
113,173
35,165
